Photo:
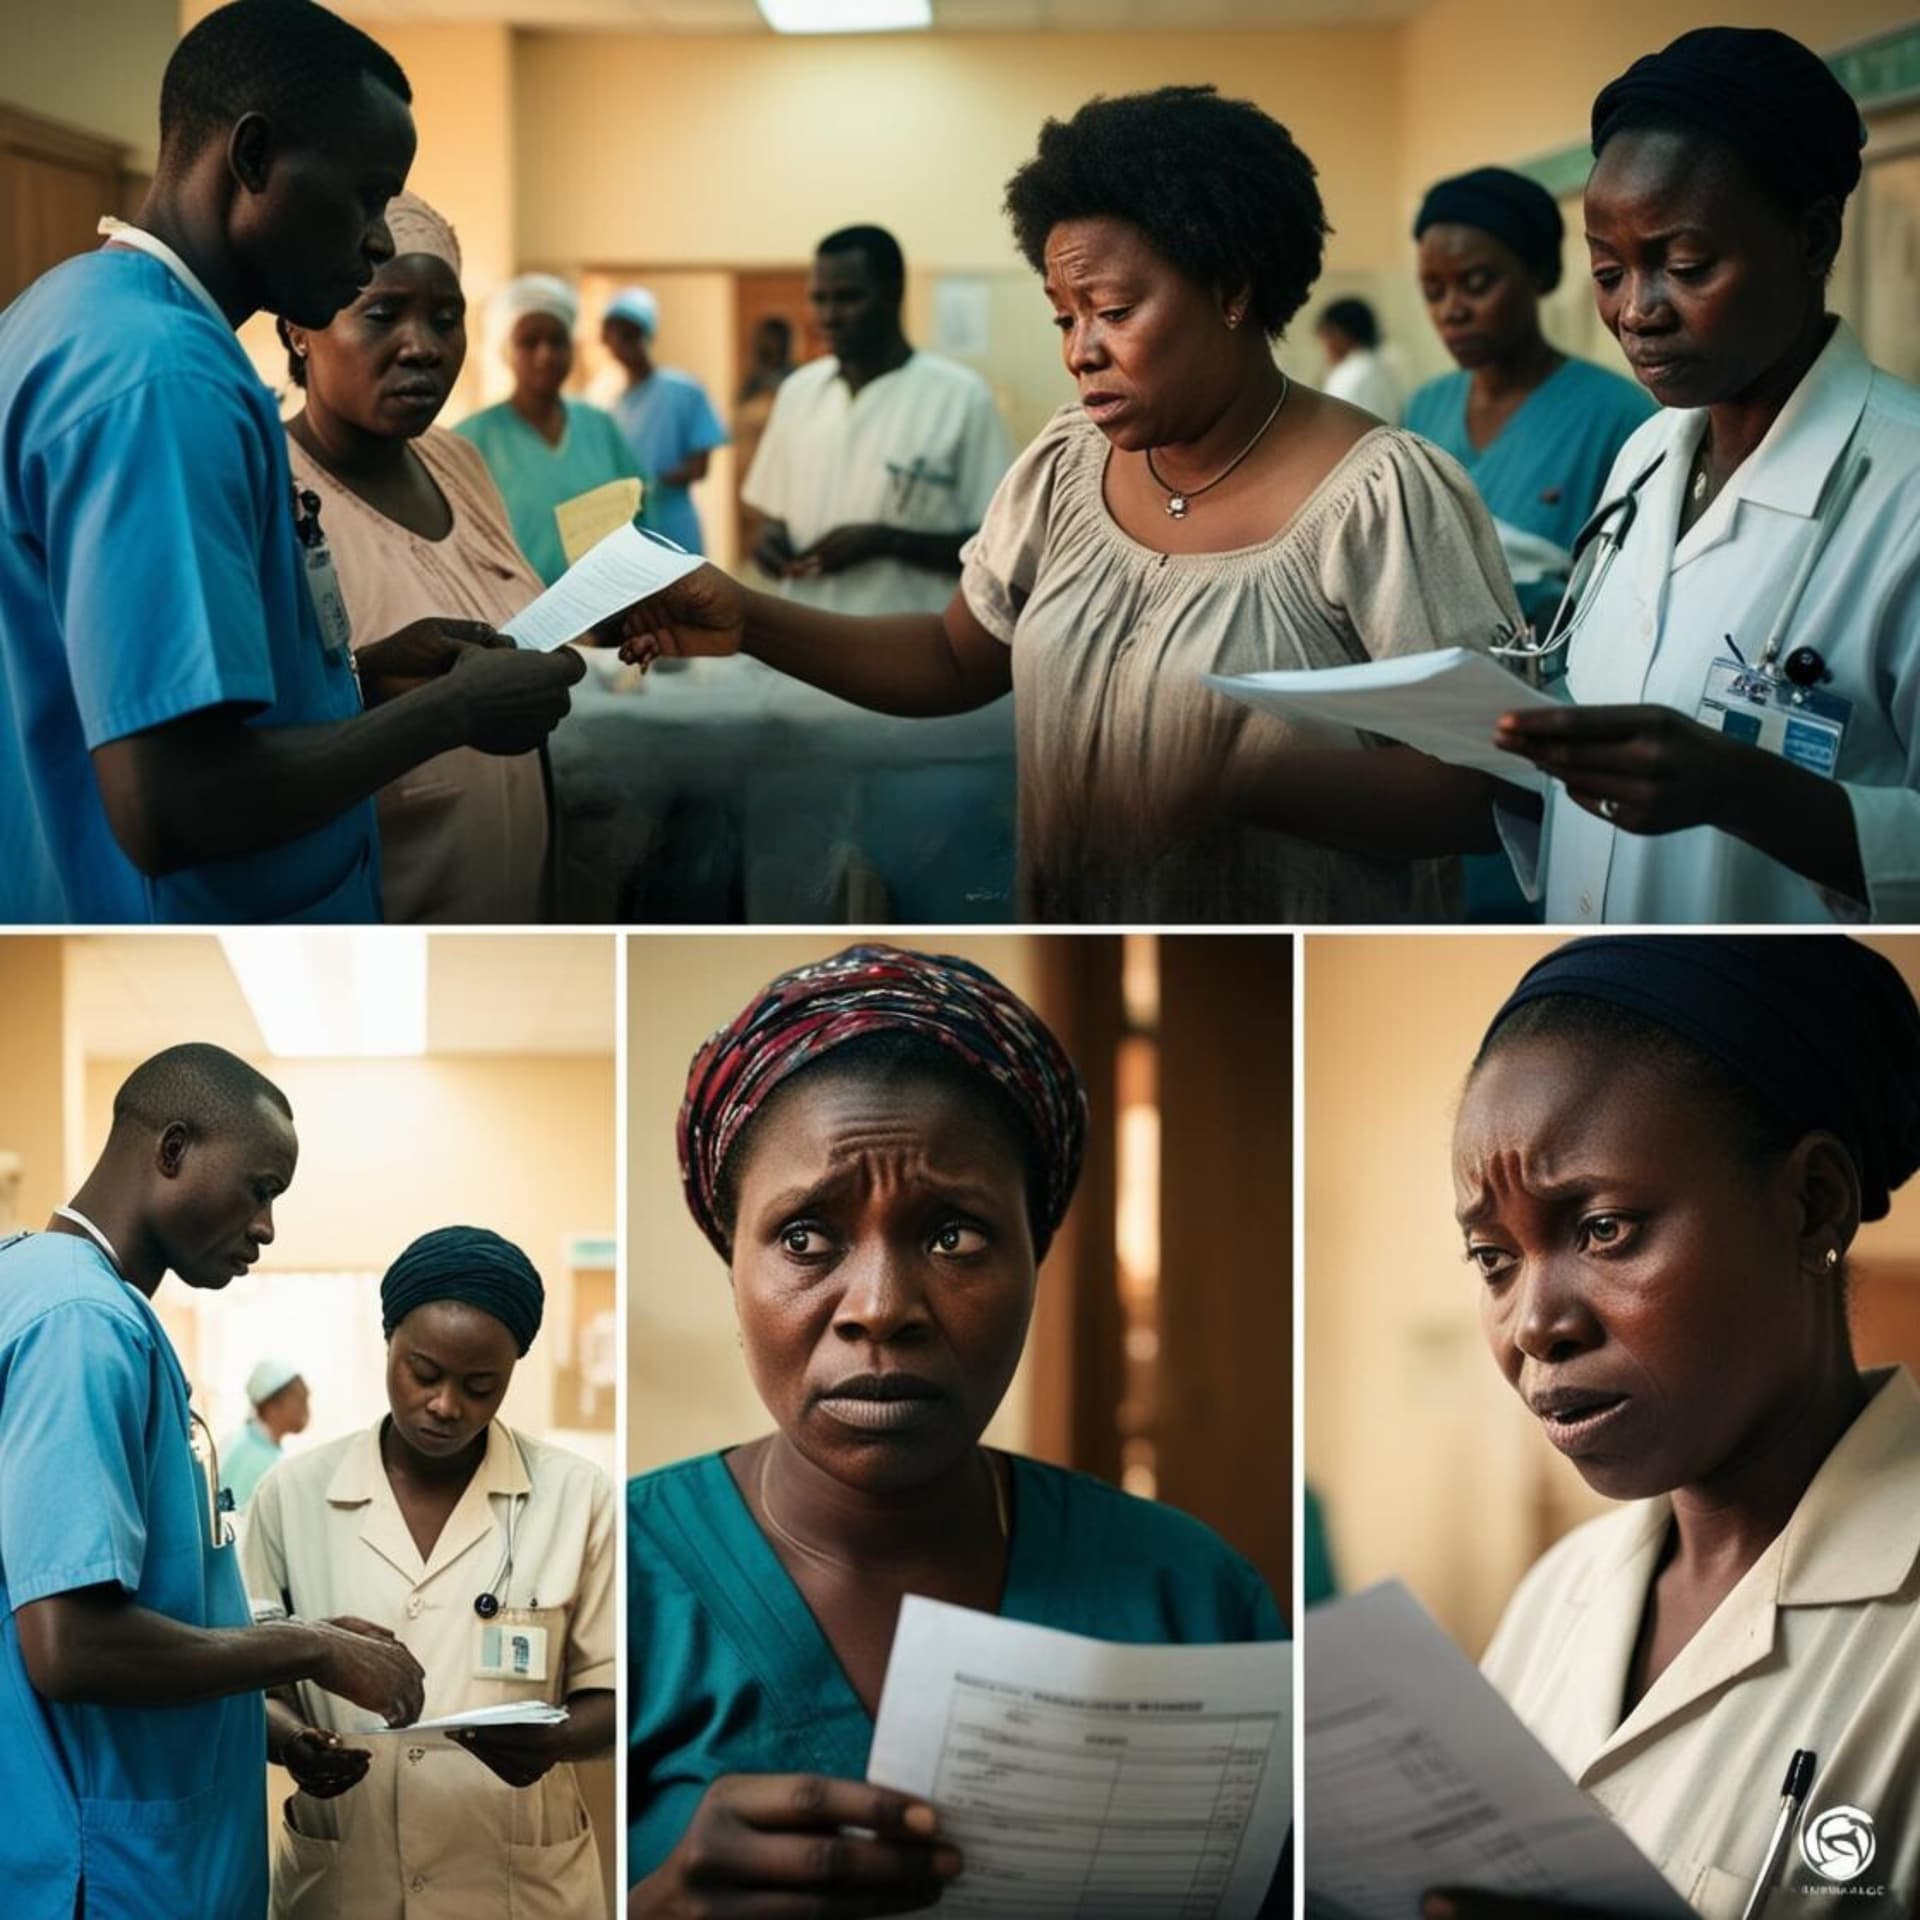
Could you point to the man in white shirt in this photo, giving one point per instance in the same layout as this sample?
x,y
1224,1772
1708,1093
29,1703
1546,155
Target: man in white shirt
x,y
878,461
1349,336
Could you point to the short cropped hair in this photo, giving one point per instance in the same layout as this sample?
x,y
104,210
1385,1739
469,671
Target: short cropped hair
x,y
1217,187
1354,318
882,250
204,1085
289,59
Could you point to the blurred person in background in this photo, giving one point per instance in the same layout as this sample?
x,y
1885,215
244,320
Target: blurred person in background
x,y
281,1406
541,447
1349,336
666,416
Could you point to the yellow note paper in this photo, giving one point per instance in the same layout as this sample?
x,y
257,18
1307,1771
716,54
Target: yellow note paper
x,y
588,518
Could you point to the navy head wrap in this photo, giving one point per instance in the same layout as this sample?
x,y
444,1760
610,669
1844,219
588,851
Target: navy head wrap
x,y
805,1014
470,1265
1515,210
1773,101
1823,1029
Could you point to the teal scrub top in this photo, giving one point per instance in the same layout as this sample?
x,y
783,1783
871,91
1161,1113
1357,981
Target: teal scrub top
x,y
534,477
157,1812
667,419
149,570
245,1460
730,1673
1543,471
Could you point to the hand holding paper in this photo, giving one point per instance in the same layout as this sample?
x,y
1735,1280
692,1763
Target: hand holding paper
x,y
628,566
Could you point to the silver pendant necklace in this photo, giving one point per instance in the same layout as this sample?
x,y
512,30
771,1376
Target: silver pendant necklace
x,y
1180,499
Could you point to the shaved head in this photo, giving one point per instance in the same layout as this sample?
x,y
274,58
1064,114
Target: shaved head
x,y
205,1087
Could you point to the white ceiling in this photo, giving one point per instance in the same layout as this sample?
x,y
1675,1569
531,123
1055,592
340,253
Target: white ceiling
x,y
129,995
950,16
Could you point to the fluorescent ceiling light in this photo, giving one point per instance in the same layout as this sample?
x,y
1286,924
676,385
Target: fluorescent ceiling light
x,y
846,16
334,992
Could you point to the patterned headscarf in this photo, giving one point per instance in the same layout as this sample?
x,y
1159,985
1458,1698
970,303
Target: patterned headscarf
x,y
805,1014
419,228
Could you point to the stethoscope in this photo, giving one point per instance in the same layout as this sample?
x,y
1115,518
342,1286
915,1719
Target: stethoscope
x,y
220,1501
489,1603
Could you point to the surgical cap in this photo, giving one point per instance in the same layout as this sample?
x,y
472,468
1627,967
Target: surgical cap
x,y
473,1266
268,1378
1773,101
638,305
804,1015
1822,1029
418,228
534,293
1515,210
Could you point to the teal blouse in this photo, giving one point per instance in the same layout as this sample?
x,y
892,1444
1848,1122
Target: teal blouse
x,y
730,1673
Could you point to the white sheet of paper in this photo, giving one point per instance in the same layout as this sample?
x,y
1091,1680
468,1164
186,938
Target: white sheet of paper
x,y
1419,1775
626,566
515,1713
1080,1776
1444,702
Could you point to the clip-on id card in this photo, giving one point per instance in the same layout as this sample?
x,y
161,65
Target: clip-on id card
x,y
329,604
1801,724
505,1650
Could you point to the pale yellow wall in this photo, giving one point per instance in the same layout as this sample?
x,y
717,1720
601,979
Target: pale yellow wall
x,y
94,64
687,1387
1430,1467
33,1071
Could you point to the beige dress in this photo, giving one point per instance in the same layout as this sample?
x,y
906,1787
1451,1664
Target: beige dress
x,y
430,1833
463,837
1393,553
1818,1647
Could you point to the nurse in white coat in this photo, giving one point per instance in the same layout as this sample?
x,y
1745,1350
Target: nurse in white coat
x,y
1774,525
489,1555
1662,1157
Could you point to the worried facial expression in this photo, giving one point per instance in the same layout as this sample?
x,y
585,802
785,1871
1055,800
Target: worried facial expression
x,y
1644,1287
1482,298
389,360
883,1272
1704,281
448,1368
217,1189
1144,343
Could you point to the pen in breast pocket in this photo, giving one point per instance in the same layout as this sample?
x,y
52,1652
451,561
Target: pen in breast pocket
x,y
1793,1796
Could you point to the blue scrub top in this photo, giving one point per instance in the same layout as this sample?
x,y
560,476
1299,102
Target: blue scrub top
x,y
728,1671
149,570
667,419
160,1811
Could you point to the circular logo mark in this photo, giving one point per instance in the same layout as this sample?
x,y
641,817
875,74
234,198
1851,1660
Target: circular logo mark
x,y
1838,1844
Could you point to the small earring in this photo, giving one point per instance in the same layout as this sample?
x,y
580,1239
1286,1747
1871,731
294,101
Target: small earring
x,y
1833,1258
1233,319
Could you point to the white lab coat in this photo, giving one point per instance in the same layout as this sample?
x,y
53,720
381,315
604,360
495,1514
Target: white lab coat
x,y
1661,617
430,1833
1818,1647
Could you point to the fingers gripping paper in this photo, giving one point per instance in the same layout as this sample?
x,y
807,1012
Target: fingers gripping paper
x,y
1445,703
1079,1776
628,565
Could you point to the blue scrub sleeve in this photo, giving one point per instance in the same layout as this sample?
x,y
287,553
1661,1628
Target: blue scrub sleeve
x,y
702,429
75,1404
156,510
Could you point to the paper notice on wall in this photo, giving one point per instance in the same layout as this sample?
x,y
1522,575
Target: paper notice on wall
x,y
1081,1776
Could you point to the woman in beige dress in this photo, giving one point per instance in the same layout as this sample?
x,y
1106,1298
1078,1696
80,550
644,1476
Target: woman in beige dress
x,y
1195,512
415,522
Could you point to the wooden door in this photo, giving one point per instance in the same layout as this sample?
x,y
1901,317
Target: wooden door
x,y
54,186
765,293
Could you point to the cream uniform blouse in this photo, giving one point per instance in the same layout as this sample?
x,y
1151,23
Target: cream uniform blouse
x,y
430,1833
1817,1647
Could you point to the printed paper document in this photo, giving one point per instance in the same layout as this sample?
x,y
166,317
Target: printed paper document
x,y
624,567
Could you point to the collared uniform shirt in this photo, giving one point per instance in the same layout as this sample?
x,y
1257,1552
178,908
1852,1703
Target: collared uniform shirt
x,y
1662,616
1818,1647
160,1813
921,448
430,1833
149,570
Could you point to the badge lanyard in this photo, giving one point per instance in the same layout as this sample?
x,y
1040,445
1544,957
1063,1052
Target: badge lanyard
x,y
323,583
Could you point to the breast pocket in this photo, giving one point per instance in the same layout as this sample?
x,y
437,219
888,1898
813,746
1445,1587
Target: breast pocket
x,y
521,1654
924,493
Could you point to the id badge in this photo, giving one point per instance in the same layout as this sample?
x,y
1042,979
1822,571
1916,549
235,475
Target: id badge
x,y
1803,725
510,1650
329,604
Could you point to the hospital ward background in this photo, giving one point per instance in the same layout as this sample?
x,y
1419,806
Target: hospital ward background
x,y
684,147
434,1081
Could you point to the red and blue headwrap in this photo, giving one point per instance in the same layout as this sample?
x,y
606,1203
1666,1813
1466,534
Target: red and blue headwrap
x,y
805,1014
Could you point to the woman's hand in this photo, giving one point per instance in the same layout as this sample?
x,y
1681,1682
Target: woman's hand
x,y
703,612
777,1847
323,1766
1645,769
518,1755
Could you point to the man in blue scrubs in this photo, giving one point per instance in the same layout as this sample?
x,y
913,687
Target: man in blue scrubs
x,y
133,1734
184,735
